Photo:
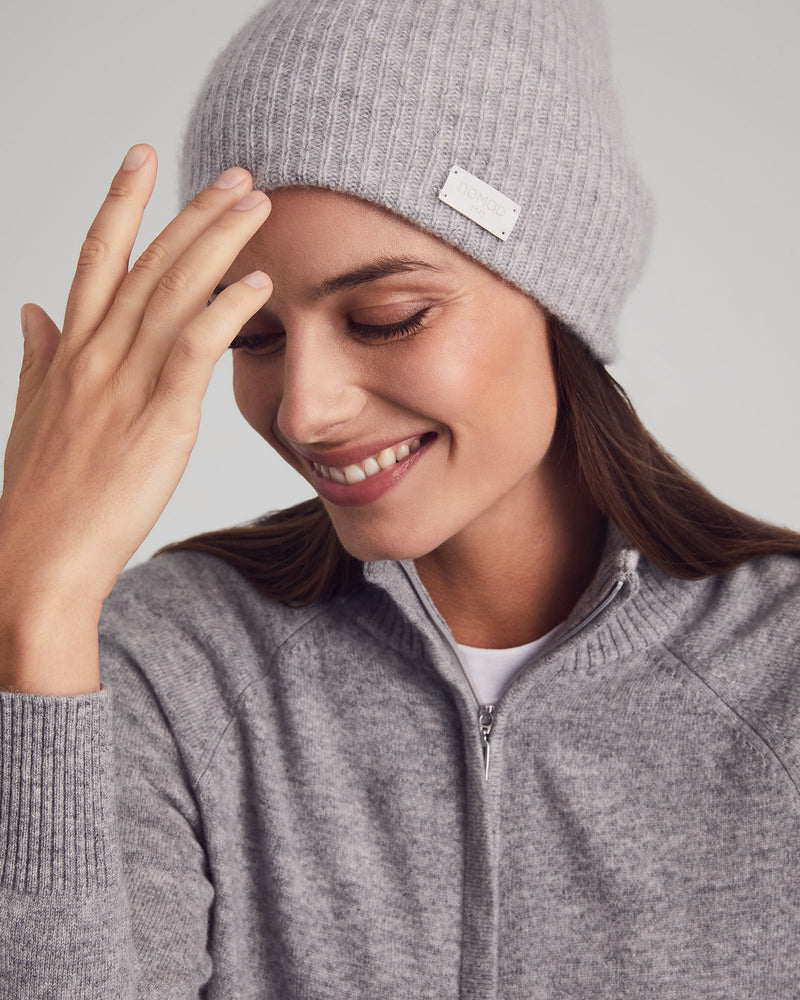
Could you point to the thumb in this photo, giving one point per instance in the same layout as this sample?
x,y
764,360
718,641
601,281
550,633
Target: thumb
x,y
40,337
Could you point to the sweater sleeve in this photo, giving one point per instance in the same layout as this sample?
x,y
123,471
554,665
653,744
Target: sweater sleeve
x,y
103,885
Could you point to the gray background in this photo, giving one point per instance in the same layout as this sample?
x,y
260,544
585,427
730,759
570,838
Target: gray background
x,y
709,338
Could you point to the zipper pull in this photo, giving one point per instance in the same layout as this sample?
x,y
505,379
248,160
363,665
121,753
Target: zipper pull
x,y
485,723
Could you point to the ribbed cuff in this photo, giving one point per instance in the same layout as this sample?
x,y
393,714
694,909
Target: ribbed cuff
x,y
55,792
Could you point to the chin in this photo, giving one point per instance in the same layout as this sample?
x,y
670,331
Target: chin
x,y
370,545
369,550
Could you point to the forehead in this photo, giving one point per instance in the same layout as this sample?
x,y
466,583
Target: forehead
x,y
313,235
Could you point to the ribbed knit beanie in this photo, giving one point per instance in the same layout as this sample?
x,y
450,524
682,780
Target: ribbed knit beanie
x,y
492,124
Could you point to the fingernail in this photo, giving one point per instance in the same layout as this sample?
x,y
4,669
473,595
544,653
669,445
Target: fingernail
x,y
230,178
23,321
256,280
135,157
250,200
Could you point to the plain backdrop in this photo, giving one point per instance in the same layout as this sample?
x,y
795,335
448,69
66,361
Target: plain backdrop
x,y
709,338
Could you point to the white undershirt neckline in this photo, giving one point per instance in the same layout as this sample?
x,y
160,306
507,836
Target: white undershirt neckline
x,y
490,671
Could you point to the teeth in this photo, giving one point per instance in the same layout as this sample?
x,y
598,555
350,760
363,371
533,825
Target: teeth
x,y
358,473
371,467
353,474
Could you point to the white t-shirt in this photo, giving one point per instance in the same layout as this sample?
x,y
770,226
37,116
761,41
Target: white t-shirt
x,y
490,671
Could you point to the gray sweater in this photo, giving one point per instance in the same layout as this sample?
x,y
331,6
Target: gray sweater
x,y
292,803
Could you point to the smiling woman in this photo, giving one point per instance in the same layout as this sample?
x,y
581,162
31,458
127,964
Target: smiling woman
x,y
469,378
510,709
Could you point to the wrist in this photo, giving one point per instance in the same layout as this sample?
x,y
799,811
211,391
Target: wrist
x,y
49,646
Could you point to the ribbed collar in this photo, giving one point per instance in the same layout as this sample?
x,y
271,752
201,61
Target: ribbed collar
x,y
628,606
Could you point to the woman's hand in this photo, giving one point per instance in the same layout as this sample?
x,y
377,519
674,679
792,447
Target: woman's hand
x,y
108,412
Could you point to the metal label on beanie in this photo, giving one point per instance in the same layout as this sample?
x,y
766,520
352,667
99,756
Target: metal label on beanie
x,y
480,202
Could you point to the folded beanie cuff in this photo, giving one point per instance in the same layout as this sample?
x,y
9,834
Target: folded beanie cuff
x,y
380,99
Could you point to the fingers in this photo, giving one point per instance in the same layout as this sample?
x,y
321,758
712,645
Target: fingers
x,y
188,369
104,255
203,211
108,412
181,291
41,341
124,326
106,302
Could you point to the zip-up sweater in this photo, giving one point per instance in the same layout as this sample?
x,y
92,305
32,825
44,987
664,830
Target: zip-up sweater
x,y
266,802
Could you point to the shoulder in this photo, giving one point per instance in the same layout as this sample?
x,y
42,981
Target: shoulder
x,y
190,646
739,634
187,620
189,597
752,611
192,631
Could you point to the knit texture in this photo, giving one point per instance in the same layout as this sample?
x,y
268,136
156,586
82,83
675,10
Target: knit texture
x,y
381,98
303,813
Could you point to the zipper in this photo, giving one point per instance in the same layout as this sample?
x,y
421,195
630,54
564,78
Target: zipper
x,y
598,609
486,713
485,723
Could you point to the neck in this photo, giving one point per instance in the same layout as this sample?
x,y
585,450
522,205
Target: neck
x,y
515,577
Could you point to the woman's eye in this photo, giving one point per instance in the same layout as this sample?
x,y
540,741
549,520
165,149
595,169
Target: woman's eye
x,y
258,343
389,331
253,341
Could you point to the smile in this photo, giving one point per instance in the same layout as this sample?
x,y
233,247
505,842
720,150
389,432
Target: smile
x,y
349,475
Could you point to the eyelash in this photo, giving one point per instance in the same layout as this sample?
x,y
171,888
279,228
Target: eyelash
x,y
267,343
256,343
391,331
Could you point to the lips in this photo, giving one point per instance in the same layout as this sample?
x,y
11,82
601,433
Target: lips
x,y
354,483
359,471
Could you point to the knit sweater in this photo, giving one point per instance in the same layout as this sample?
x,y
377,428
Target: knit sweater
x,y
265,802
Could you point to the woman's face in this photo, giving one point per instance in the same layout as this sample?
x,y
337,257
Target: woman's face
x,y
410,386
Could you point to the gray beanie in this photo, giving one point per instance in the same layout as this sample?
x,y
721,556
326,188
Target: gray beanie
x,y
384,98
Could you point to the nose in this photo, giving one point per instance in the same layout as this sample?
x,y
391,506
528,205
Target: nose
x,y
321,391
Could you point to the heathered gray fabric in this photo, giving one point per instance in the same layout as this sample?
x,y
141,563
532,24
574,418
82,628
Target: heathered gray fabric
x,y
380,98
302,813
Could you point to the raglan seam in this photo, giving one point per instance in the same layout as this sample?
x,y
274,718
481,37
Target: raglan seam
x,y
767,749
240,695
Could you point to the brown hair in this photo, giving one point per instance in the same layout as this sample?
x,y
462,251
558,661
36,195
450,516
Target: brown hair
x,y
673,520
294,555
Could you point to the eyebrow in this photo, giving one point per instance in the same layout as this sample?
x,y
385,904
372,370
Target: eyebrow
x,y
383,268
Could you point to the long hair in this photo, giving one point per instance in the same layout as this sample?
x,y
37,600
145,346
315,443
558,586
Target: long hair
x,y
295,557
673,520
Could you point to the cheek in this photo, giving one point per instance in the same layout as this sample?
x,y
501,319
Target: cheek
x,y
494,381
518,377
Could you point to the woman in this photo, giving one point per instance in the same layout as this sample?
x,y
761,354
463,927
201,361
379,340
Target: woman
x,y
511,710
